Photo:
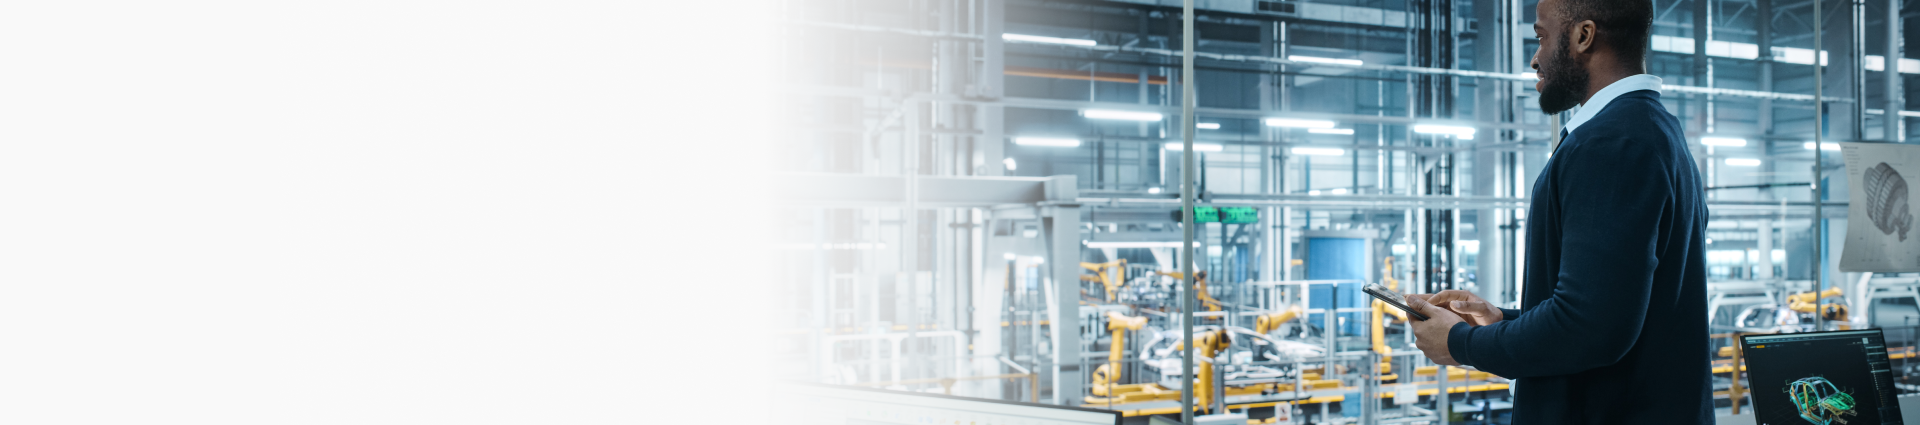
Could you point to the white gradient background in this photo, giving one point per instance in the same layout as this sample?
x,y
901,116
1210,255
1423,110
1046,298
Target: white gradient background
x,y
377,212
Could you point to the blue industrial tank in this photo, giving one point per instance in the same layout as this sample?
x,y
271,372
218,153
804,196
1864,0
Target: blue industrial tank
x,y
1339,255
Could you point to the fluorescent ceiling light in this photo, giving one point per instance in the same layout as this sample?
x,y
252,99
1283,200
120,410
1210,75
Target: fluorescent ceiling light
x,y
1010,257
1197,147
1902,113
1722,141
1319,151
1743,162
1340,191
1313,193
1043,141
1099,245
1828,146
1530,75
1298,58
1294,122
1347,131
1047,40
851,246
1207,126
1153,190
1011,165
1462,132
1108,114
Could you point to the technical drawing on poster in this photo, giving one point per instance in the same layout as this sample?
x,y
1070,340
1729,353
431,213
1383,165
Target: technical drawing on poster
x,y
1887,200
1879,208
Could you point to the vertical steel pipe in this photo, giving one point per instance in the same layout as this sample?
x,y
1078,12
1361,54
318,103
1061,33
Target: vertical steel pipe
x,y
1186,215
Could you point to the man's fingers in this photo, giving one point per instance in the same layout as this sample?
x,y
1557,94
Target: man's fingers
x,y
1449,295
1477,308
1421,306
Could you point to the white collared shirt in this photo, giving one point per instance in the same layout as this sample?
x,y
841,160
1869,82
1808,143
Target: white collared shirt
x,y
1601,98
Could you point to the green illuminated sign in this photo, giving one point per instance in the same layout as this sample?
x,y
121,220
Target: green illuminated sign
x,y
1205,214
1239,215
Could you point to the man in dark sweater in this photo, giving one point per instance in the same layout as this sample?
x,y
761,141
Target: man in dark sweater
x,y
1612,327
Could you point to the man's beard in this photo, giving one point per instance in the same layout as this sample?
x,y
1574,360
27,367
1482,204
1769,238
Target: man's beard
x,y
1566,82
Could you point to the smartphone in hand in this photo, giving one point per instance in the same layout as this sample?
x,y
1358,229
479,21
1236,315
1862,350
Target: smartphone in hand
x,y
1391,298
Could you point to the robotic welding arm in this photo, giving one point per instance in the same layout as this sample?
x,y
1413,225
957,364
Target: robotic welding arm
x,y
1109,374
1269,322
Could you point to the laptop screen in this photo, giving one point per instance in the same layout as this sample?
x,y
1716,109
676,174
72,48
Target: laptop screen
x,y
1821,378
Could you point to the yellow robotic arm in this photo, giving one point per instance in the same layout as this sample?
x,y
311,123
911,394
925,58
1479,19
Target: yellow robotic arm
x,y
1209,343
1807,297
1380,311
1269,322
1109,374
1111,274
1806,302
1199,286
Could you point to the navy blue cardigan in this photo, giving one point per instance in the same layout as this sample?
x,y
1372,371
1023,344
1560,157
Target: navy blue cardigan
x,y
1612,327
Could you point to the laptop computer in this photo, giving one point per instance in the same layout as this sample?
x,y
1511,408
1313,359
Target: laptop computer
x,y
1821,378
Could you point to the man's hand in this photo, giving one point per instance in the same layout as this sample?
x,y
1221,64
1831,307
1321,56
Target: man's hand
x,y
1476,311
1431,334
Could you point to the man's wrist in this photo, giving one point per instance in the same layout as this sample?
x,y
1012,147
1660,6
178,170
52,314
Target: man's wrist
x,y
1458,338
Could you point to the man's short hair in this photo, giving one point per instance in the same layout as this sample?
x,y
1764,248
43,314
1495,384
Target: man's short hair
x,y
1624,24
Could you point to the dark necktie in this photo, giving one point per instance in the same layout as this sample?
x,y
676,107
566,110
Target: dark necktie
x,y
1557,142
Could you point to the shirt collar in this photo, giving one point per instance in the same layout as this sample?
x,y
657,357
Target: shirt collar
x,y
1601,98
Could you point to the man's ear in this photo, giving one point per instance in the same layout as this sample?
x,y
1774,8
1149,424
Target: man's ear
x,y
1583,37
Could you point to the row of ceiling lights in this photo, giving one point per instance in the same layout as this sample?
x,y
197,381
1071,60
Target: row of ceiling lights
x,y
1024,38
1312,126
1327,127
1752,162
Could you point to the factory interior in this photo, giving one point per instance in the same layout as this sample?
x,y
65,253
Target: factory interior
x,y
982,198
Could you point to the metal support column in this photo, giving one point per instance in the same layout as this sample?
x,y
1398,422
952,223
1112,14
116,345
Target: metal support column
x,y
1186,208
1763,28
1063,253
1703,65
1894,125
1819,128
990,146
1857,66
1491,103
